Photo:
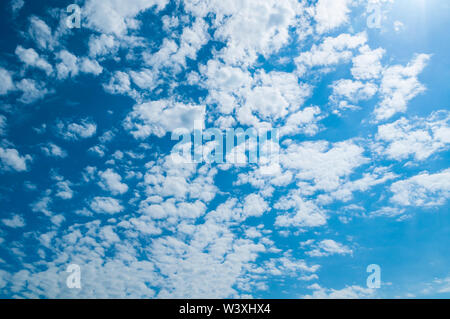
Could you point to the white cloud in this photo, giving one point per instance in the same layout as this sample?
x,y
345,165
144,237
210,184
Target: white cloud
x,y
159,117
76,131
418,137
399,85
6,81
321,166
345,91
32,91
349,292
302,213
330,14
249,27
328,247
12,160
116,17
53,150
41,33
68,65
16,5
330,52
63,190
106,205
423,190
367,64
119,83
112,182
90,66
31,58
16,221
102,45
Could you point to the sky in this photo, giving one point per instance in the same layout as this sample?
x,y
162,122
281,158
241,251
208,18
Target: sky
x,y
92,172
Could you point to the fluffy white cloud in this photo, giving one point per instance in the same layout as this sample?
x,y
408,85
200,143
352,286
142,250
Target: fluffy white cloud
x,y
350,292
330,14
328,247
16,5
31,58
63,190
422,190
32,90
330,52
41,33
16,221
112,182
53,150
12,160
116,17
106,205
102,45
301,213
367,64
417,137
119,83
345,91
6,81
90,66
75,131
321,166
399,85
159,117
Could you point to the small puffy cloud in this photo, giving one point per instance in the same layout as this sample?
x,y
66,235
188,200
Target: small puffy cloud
x,y
418,137
41,33
102,45
329,247
6,81
331,14
106,205
367,64
63,190
111,181
322,166
399,85
12,160
119,83
330,52
116,17
90,66
301,213
144,79
32,91
422,190
31,58
159,117
68,65
53,150
345,91
16,5
15,221
76,131
350,292
254,205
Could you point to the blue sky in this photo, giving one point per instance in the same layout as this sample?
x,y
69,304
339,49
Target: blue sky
x,y
361,176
